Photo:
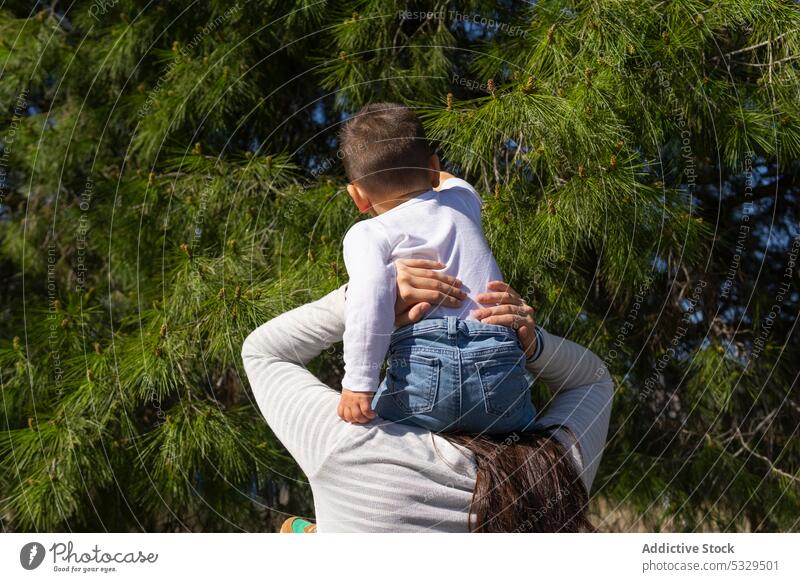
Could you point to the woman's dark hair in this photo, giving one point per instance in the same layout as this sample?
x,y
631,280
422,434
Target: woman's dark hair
x,y
526,482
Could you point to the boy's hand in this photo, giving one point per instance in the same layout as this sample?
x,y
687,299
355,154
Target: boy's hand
x,y
356,407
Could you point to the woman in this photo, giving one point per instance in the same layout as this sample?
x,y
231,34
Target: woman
x,y
389,477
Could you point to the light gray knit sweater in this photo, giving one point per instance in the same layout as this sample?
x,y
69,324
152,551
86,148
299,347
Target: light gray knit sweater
x,y
388,477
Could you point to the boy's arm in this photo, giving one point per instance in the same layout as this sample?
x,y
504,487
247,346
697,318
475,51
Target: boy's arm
x,y
369,305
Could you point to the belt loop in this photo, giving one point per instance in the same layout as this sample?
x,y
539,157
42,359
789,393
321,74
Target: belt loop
x,y
452,326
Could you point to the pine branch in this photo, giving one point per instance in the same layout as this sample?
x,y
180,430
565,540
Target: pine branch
x,y
760,44
772,467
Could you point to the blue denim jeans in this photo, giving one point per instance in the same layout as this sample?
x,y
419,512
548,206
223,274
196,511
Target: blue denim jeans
x,y
455,375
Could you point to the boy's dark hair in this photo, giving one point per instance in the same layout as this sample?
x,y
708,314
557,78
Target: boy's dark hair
x,y
384,148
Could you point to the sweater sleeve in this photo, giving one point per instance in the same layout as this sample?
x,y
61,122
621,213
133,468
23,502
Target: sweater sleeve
x,y
369,305
582,394
298,407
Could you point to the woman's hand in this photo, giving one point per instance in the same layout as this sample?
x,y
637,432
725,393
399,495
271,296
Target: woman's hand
x,y
508,309
419,286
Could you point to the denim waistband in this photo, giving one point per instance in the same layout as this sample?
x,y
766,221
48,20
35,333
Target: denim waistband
x,y
451,326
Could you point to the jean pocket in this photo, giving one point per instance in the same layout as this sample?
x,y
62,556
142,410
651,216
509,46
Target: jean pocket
x,y
505,387
412,381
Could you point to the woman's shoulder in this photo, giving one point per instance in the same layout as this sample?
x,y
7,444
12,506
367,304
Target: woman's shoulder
x,y
423,455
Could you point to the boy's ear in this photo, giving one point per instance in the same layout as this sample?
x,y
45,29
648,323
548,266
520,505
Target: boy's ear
x,y
435,167
362,202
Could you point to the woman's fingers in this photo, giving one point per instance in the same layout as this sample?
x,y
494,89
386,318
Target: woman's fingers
x,y
496,297
501,286
420,281
419,263
402,319
428,279
514,316
432,297
528,339
446,284
437,297
414,314
499,292
425,274
505,309
517,317
513,321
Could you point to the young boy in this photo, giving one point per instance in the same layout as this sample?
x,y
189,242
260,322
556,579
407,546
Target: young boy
x,y
448,372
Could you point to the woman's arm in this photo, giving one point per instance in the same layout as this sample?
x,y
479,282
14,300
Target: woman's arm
x,y
582,394
299,409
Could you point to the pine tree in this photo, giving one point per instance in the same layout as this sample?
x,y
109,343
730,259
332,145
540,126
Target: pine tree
x,y
170,180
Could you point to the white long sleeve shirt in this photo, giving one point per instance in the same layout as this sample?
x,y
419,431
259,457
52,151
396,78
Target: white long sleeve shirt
x,y
389,477
442,226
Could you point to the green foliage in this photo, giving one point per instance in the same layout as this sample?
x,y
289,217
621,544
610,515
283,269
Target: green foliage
x,y
170,181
